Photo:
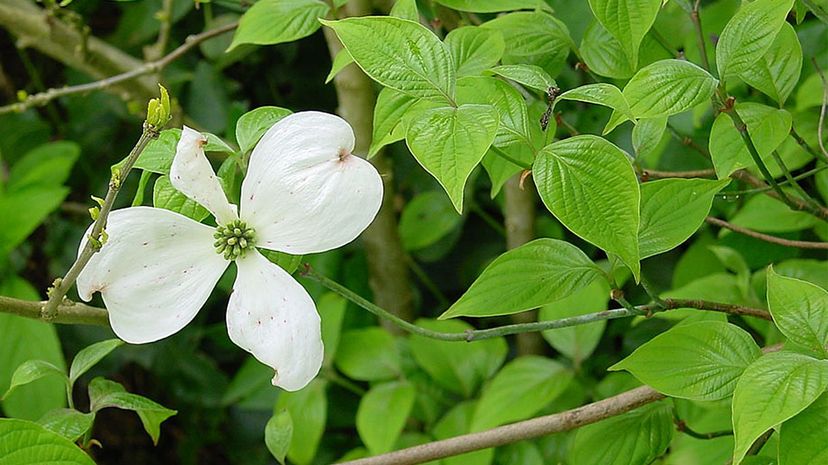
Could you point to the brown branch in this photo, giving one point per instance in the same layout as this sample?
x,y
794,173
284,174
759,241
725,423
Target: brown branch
x,y
767,237
387,264
519,222
529,429
67,313
139,70
36,28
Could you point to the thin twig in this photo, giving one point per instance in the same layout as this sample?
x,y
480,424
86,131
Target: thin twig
x,y
479,334
807,147
823,107
792,181
94,240
654,174
148,68
529,429
688,141
694,17
766,237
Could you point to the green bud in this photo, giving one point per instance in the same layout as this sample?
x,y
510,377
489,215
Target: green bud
x,y
94,212
158,109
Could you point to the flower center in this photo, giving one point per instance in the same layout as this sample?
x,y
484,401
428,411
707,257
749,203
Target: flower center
x,y
234,239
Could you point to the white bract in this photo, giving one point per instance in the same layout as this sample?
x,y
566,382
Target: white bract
x,y
303,193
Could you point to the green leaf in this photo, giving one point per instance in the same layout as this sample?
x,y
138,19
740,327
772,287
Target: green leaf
x,y
158,154
26,443
252,125
672,210
533,77
405,9
400,54
459,368
332,310
48,165
89,356
532,275
603,54
388,113
627,20
577,342
696,361
474,49
756,211
368,354
749,34
32,370
164,195
534,38
278,435
285,261
773,389
340,61
800,311
647,134
634,438
668,87
511,108
216,144
426,219
309,409
802,438
767,126
22,210
590,186
492,6
270,22
601,94
522,388
22,339
382,413
449,142
777,71
67,422
104,393
500,169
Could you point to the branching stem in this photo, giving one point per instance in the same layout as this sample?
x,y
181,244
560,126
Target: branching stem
x,y
43,98
95,239
479,334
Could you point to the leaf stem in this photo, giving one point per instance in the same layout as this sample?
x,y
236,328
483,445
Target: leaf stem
x,y
500,153
95,238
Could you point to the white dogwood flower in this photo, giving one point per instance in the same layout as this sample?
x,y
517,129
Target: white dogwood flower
x,y
303,193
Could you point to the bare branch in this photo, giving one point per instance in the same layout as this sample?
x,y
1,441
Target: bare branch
x,y
529,429
43,98
767,237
